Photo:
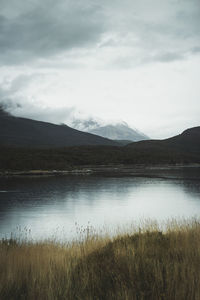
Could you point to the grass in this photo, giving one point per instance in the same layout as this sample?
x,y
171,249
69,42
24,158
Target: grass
x,y
145,264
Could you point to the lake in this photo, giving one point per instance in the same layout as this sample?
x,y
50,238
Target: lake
x,y
59,207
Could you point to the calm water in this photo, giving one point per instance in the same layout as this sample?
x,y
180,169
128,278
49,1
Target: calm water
x,y
56,206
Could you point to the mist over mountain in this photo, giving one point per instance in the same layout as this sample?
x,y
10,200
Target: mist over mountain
x,y
113,130
16,131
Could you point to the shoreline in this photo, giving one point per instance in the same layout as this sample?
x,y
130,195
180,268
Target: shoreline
x,y
117,170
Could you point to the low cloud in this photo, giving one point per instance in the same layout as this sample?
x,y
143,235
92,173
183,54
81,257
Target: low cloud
x,y
17,105
31,111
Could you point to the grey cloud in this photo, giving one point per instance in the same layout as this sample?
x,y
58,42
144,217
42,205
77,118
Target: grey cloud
x,y
159,30
131,62
195,50
168,57
162,31
47,28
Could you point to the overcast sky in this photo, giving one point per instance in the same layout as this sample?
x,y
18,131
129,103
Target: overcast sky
x,y
131,60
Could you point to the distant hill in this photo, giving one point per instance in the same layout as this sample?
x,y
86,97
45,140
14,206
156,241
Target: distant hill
x,y
15,131
115,131
187,142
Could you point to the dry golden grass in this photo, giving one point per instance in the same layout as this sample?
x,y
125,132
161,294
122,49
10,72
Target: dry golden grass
x,y
147,264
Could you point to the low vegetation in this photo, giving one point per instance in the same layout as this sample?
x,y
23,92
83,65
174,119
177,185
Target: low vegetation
x,y
145,264
14,158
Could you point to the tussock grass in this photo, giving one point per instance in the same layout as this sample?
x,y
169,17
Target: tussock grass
x,y
146,264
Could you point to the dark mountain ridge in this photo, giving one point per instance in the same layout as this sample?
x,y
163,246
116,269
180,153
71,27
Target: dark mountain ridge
x,y
32,145
16,131
188,141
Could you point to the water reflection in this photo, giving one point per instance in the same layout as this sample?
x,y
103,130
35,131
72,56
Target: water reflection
x,y
45,204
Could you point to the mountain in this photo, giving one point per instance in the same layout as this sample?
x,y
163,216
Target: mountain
x,y
188,142
15,131
115,131
182,149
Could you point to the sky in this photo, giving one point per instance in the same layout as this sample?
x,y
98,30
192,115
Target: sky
x,y
131,60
